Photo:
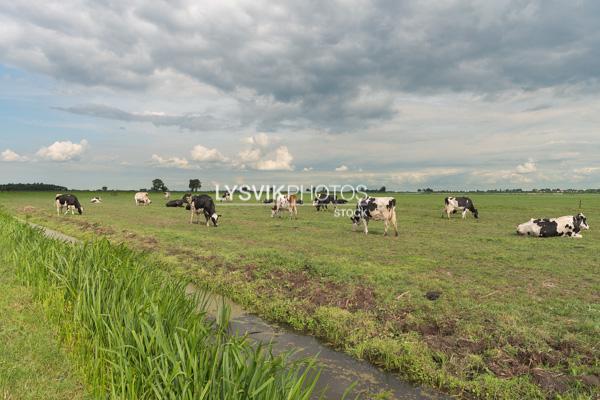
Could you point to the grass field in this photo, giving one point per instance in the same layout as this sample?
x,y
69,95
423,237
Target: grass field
x,y
518,317
32,363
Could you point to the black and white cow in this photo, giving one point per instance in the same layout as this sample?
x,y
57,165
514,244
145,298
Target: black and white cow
x,y
206,205
68,201
378,209
175,203
454,204
569,225
96,200
323,200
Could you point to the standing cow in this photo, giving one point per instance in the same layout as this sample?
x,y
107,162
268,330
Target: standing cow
x,y
284,202
378,209
68,201
569,225
206,205
141,198
454,204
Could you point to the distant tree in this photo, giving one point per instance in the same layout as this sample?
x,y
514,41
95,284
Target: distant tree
x,y
104,188
382,189
158,185
195,185
419,190
32,187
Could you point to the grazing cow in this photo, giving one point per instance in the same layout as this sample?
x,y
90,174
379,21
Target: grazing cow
x,y
378,209
96,200
68,201
454,204
205,204
284,202
141,198
569,225
175,203
167,195
323,200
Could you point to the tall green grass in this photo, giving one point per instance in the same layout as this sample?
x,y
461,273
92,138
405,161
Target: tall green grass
x,y
135,332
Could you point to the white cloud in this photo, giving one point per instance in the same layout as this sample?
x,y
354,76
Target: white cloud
x,y
423,175
586,170
173,162
63,151
10,156
342,168
204,154
260,140
501,175
527,168
250,155
281,162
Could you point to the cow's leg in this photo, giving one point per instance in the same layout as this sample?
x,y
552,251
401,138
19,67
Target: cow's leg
x,y
464,213
365,223
447,211
207,220
192,215
394,223
386,224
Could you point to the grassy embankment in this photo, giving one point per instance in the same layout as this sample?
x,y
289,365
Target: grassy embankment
x,y
517,317
133,331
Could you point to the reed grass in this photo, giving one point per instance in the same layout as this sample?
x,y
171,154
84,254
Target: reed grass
x,y
134,331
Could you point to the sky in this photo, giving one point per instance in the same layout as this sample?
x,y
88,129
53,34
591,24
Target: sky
x,y
459,94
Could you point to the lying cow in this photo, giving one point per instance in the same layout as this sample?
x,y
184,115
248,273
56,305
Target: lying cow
x,y
569,225
454,204
284,202
141,198
226,197
378,209
68,201
206,205
96,200
175,203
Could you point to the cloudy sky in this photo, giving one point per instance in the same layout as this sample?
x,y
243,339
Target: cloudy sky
x,y
407,94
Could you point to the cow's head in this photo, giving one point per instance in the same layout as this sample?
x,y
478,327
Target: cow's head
x,y
214,218
581,220
80,210
475,213
356,217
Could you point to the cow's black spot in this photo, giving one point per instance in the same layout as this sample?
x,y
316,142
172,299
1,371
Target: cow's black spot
x,y
547,228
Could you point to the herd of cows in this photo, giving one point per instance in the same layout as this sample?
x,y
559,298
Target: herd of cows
x,y
368,208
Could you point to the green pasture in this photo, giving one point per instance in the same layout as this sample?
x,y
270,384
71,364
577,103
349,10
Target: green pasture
x,y
516,317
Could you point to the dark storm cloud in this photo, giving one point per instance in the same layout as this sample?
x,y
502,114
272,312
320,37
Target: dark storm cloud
x,y
310,63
